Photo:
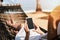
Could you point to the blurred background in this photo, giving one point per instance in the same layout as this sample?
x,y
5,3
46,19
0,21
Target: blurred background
x,y
30,5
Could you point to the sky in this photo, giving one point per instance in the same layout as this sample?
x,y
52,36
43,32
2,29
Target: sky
x,y
30,5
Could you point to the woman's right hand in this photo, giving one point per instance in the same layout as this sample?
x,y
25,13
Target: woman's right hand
x,y
26,28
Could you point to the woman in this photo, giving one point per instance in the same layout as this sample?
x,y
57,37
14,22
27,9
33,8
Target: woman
x,y
25,33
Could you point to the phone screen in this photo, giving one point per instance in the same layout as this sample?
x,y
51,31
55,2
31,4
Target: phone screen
x,y
30,23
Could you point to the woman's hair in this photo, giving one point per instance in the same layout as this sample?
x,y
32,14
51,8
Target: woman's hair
x,y
6,32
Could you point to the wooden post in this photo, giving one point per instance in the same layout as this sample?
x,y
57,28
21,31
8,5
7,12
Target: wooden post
x,y
38,7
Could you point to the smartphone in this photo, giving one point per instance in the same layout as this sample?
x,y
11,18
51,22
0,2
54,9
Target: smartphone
x,y
30,23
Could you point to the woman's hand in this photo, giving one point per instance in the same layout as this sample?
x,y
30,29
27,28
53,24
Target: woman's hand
x,y
26,28
37,29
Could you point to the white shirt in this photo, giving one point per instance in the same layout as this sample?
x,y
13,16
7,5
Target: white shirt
x,y
33,35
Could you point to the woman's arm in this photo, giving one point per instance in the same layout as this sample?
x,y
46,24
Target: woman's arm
x,y
27,32
27,35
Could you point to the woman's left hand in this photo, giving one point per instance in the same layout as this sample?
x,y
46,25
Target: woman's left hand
x,y
37,29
